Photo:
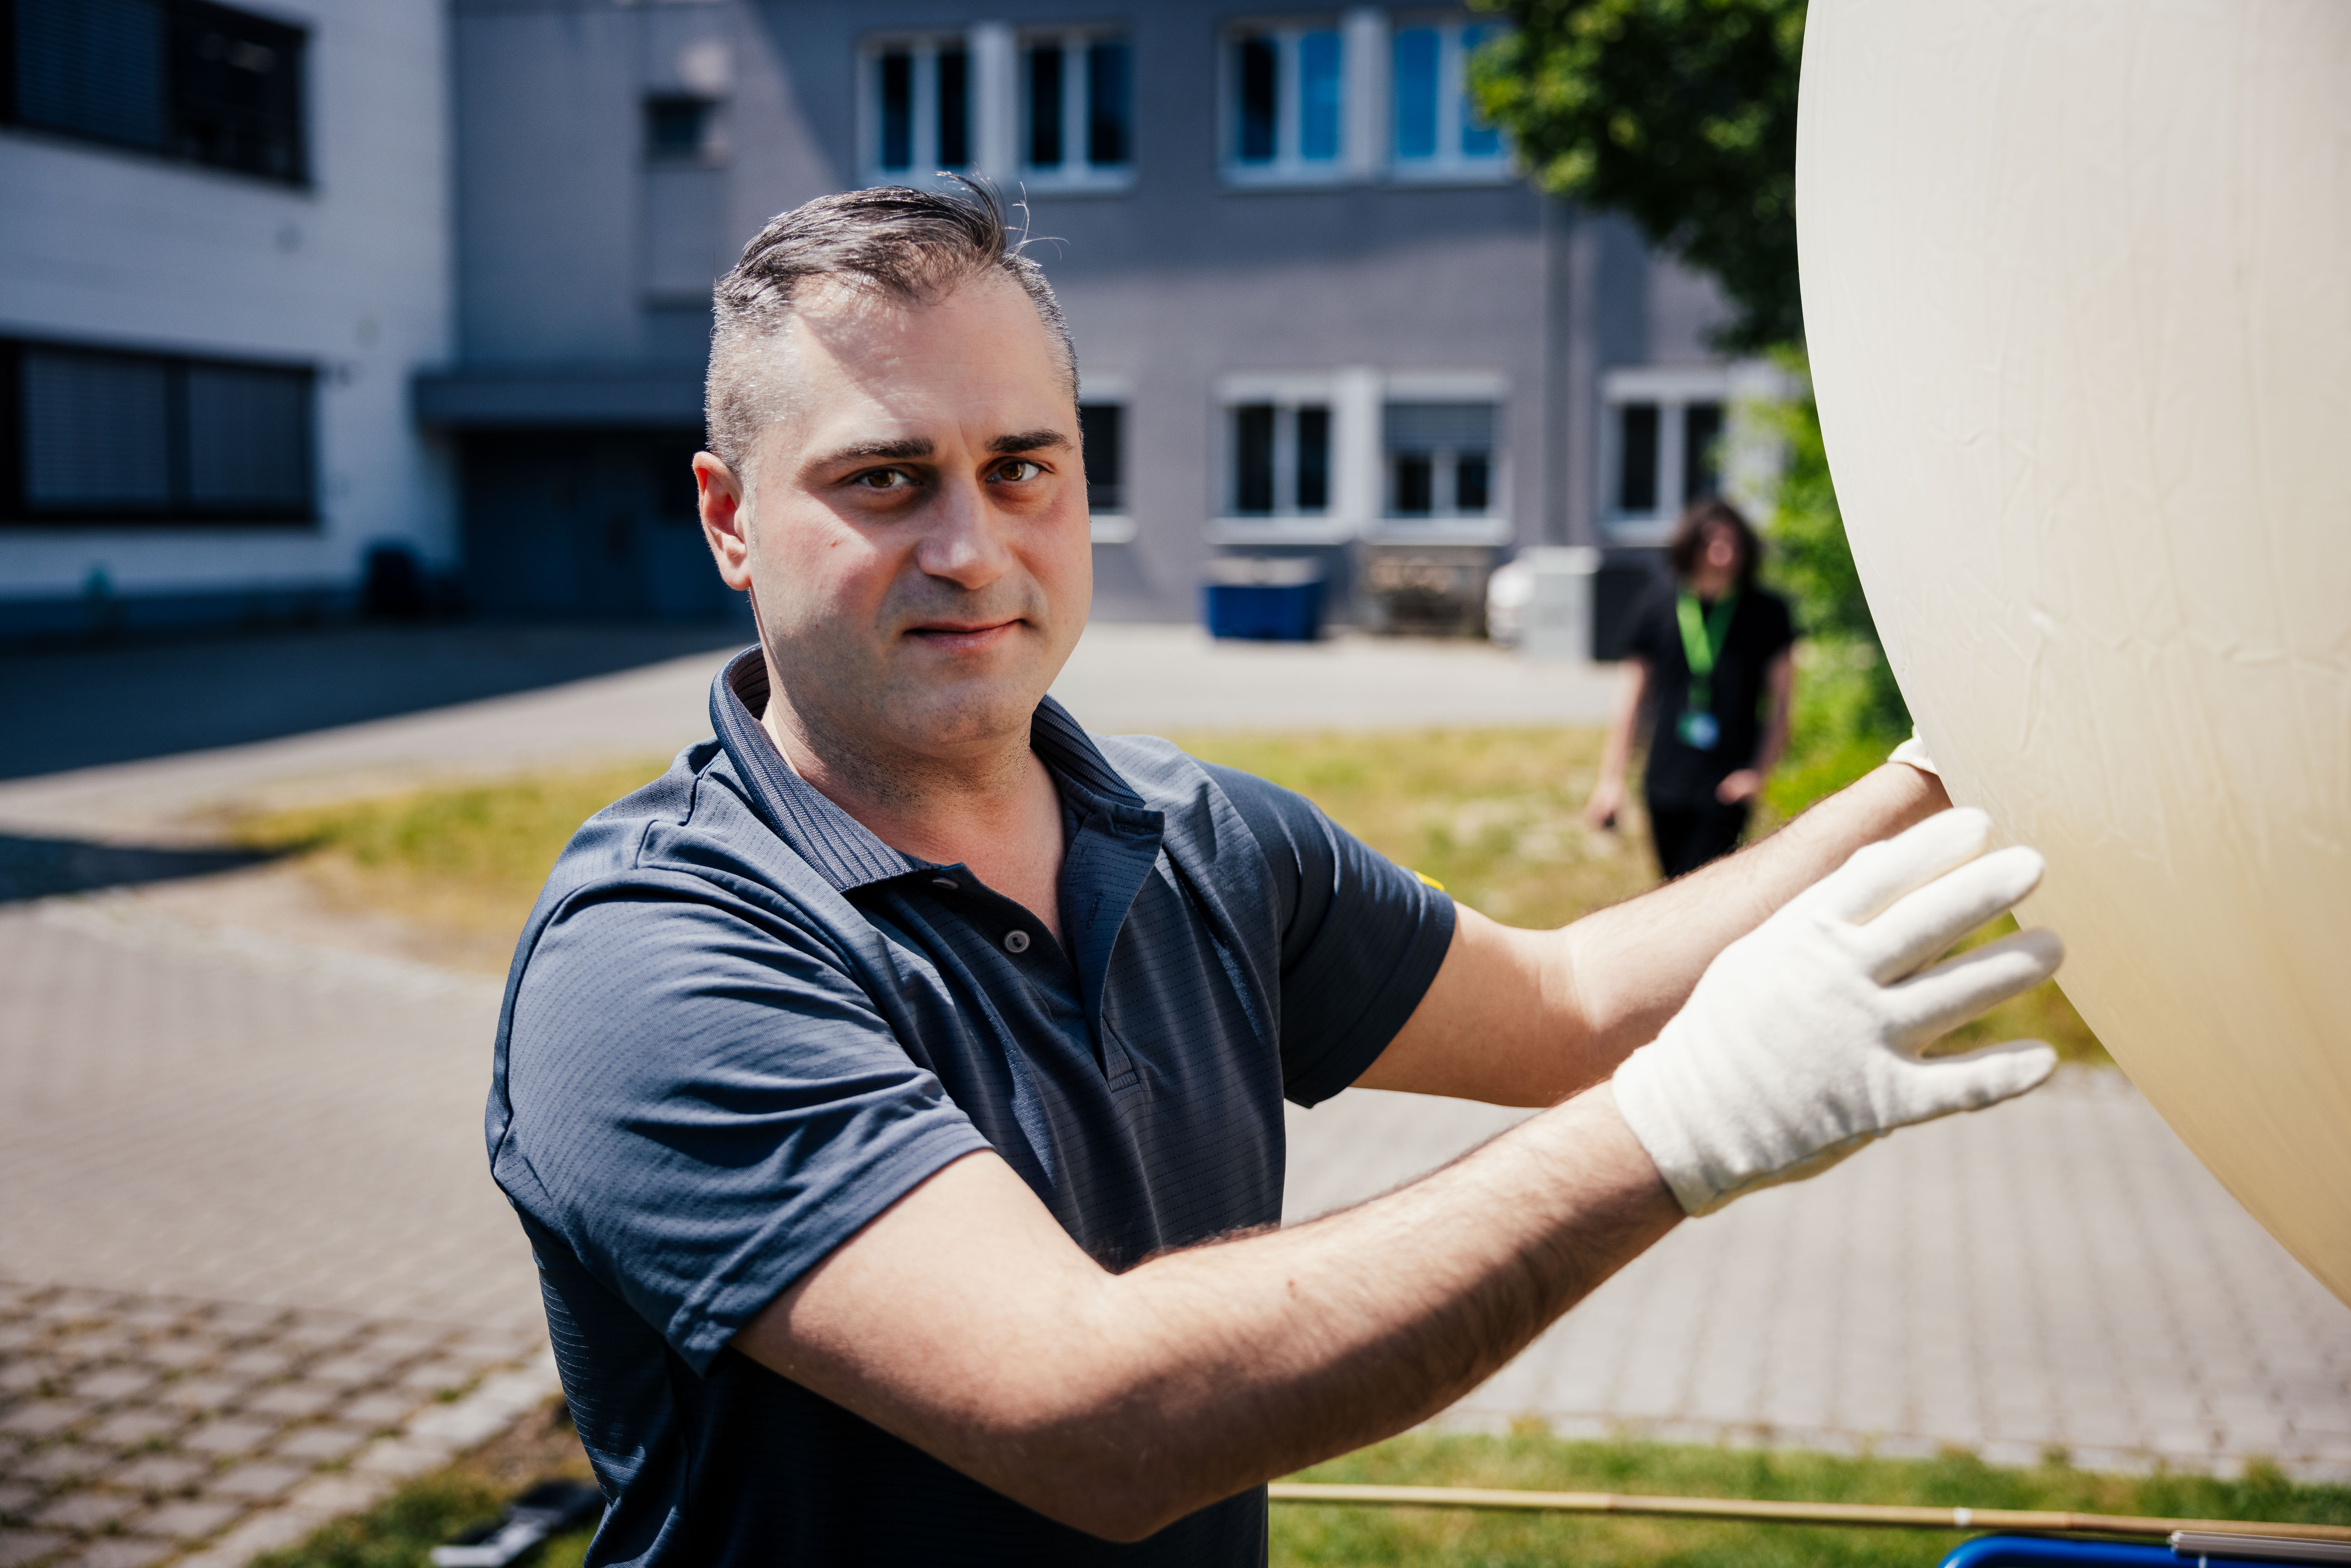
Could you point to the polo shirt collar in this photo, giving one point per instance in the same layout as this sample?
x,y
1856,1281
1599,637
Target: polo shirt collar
x,y
841,849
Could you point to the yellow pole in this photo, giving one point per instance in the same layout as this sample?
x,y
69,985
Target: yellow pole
x,y
1880,1515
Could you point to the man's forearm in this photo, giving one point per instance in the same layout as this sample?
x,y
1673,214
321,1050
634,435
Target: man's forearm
x,y
1118,1403
1631,967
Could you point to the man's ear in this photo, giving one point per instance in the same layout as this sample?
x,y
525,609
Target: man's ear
x,y
726,520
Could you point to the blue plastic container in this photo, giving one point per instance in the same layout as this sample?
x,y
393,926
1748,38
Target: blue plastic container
x,y
2042,1552
1263,599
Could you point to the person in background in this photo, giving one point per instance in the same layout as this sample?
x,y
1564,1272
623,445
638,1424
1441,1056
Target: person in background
x,y
1713,672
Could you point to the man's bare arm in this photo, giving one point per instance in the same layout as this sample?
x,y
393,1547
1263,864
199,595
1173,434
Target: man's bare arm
x,y
966,1322
1528,1018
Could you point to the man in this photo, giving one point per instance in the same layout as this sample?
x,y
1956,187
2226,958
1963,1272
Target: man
x,y
891,1091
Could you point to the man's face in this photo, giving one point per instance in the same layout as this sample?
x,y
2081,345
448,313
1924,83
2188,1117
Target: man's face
x,y
918,545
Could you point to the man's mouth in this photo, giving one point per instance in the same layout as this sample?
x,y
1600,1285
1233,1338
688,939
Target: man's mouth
x,y
963,636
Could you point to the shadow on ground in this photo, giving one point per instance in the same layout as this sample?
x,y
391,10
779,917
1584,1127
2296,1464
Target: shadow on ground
x,y
39,868
65,708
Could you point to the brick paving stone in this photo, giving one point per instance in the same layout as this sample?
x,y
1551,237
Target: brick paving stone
x,y
121,1551
255,1482
22,1546
132,1428
438,1376
231,1439
32,1374
379,1410
258,1364
63,1463
15,1497
294,1400
161,1472
45,1417
343,1372
320,1445
191,1520
179,1355
112,1384
85,1510
197,1394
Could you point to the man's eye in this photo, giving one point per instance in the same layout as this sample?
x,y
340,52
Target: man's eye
x,y
1017,469
884,479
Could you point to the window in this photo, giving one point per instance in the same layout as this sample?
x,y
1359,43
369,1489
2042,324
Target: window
x,y
1701,450
1636,463
1286,116
1101,429
1440,459
181,79
1075,104
679,129
1281,459
921,105
1438,132
100,436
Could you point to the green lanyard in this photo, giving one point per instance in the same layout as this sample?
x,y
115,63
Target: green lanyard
x,y
1702,643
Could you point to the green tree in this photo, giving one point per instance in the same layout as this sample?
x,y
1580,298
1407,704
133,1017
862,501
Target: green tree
x,y
1681,114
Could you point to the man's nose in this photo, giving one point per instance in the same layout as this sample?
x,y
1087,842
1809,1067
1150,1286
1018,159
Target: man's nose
x,y
964,542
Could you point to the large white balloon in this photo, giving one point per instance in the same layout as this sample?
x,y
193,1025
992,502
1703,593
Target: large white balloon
x,y
2078,286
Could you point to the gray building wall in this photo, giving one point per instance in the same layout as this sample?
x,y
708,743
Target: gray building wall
x,y
583,267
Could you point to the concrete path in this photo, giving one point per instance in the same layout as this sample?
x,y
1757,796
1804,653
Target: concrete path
x,y
234,1162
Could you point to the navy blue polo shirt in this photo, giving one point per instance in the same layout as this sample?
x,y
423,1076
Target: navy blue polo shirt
x,y
740,1027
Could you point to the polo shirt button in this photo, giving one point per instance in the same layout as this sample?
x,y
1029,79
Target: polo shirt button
x,y
944,884
1016,941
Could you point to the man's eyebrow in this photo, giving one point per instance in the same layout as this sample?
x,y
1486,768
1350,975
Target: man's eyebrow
x,y
913,446
1027,441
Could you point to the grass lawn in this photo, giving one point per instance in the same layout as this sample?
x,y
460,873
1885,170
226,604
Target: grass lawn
x,y
1493,814
399,1531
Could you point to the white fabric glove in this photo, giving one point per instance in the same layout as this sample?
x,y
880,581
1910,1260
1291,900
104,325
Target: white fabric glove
x,y
1800,1042
1913,752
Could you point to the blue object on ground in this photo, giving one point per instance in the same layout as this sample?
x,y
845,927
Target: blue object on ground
x,y
1270,599
2042,1552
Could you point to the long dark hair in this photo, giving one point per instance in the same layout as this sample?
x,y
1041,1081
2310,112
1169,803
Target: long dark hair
x,y
1697,519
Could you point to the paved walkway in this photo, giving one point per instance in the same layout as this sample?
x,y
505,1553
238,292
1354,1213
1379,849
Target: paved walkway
x,y
238,1167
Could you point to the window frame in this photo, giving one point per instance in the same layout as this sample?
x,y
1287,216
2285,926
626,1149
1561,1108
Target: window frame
x,y
1497,523
1112,524
1077,173
1747,457
1288,169
17,511
1450,165
178,19
924,165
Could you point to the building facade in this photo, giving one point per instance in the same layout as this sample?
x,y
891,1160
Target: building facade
x,y
1318,311
225,255
1319,314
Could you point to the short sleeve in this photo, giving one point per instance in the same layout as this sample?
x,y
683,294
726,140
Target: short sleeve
x,y
1779,627
1655,635
1361,937
704,1104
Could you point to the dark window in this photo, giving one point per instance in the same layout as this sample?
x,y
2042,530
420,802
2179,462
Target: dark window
x,y
1314,459
1045,106
96,436
1254,72
1416,485
1106,109
1253,459
1101,427
897,110
677,128
179,78
1470,477
1637,459
1701,450
955,109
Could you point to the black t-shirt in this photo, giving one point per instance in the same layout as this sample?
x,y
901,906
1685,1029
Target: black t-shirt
x,y
1679,774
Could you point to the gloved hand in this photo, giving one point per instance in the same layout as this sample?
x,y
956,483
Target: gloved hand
x,y
1913,752
1800,1042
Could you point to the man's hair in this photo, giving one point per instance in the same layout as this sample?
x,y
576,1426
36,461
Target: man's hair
x,y
914,246
1701,517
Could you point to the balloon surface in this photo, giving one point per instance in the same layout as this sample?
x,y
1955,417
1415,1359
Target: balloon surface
x,y
2077,291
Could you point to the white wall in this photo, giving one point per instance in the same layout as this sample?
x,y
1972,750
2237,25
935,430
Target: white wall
x,y
351,274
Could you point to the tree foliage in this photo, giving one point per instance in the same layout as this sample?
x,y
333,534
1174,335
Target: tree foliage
x,y
1680,114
